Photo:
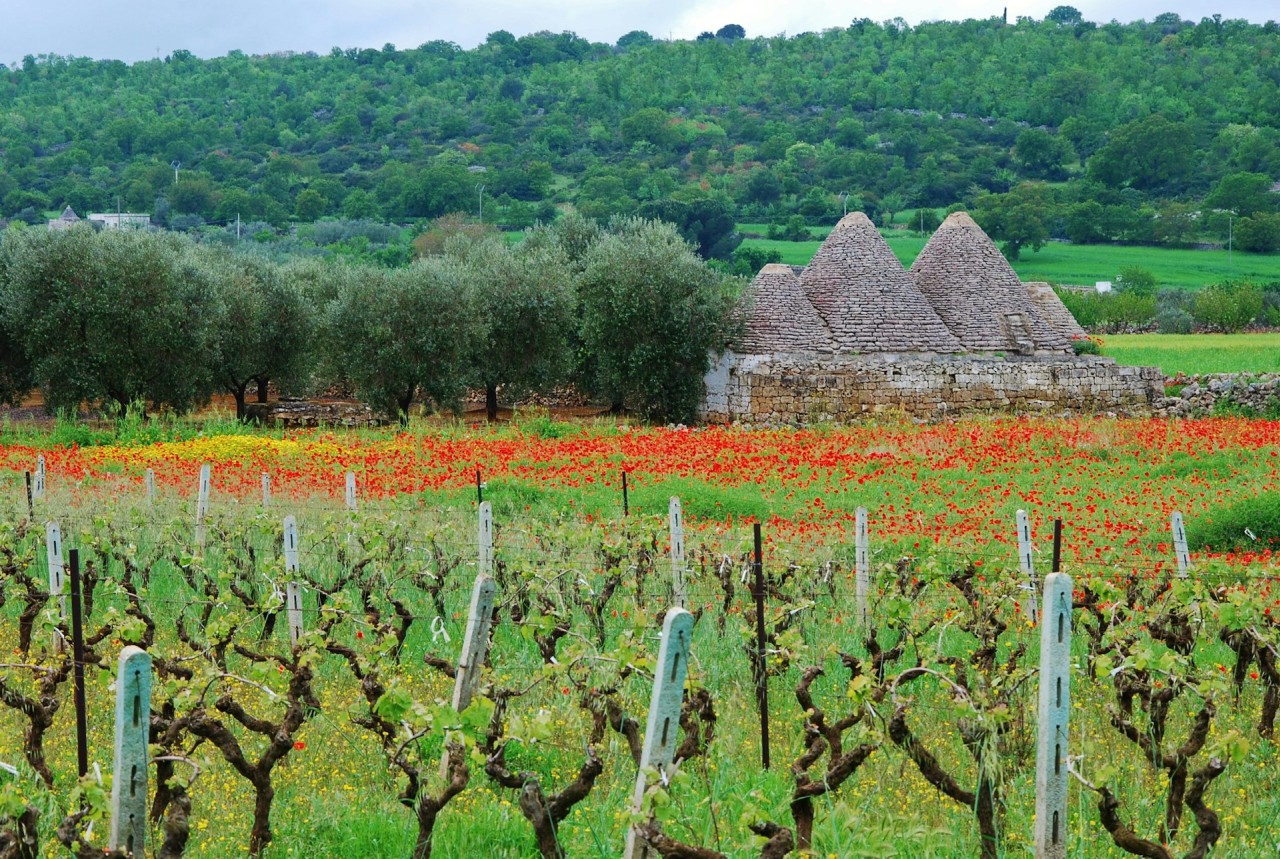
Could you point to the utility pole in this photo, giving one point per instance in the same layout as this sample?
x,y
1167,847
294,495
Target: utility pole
x,y
480,193
175,165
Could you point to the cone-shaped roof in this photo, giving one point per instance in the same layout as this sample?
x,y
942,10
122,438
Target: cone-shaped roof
x,y
1053,310
867,299
978,295
781,319
68,214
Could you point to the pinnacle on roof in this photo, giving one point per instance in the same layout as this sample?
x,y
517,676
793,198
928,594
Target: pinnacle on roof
x,y
867,299
781,319
978,295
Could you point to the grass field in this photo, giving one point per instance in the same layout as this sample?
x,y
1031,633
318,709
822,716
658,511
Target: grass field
x,y
946,494
1077,264
1197,353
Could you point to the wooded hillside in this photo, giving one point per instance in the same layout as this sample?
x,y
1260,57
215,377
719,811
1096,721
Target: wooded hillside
x,y
1138,123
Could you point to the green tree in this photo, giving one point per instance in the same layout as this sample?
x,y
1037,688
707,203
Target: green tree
x,y
405,334
1227,306
1017,218
1150,154
1244,194
708,225
526,303
652,313
265,327
1043,155
1259,234
1137,281
310,205
114,317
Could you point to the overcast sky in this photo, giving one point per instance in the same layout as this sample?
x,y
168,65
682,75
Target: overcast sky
x,y
133,30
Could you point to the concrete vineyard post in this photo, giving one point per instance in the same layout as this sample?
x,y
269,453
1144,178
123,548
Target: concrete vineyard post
x,y
1055,709
293,589
862,564
676,522
57,570
351,491
202,507
475,641
1180,544
129,779
293,611
664,715
484,540
266,489
37,485
151,486
1026,561
475,644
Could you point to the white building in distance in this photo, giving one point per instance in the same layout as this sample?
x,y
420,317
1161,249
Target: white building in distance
x,y
119,220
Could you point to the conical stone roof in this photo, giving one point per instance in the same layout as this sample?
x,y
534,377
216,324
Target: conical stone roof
x,y
780,318
979,297
867,299
1053,310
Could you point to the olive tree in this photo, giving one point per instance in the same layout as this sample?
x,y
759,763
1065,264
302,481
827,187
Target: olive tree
x,y
525,300
113,317
265,327
652,314
398,335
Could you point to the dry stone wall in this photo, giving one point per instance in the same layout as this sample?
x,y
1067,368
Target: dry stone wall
x,y
802,389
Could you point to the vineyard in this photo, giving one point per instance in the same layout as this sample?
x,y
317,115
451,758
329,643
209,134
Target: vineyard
x,y
339,724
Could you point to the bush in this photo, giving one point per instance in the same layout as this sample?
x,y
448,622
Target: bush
x,y
1087,345
1227,306
1259,234
1137,280
1226,530
1173,320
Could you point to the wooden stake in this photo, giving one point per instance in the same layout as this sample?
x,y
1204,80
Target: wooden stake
x,y
1030,601
1055,710
626,502
862,560
1180,544
31,504
663,726
129,776
151,486
762,665
266,489
676,522
77,671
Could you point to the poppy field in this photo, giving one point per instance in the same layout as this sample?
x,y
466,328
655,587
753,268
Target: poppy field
x,y
910,734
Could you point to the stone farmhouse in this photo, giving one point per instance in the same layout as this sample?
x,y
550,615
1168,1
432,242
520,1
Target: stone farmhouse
x,y
855,333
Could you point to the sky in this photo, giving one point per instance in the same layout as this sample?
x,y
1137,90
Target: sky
x,y
133,30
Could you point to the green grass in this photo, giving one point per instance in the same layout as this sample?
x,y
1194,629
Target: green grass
x,y
1079,264
1197,353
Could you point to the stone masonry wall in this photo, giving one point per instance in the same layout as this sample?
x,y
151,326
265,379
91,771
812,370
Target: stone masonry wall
x,y
802,389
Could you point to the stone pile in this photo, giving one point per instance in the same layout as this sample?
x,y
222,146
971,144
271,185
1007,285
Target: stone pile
x,y
293,413
1202,394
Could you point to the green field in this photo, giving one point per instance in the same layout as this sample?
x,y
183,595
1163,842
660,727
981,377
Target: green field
x,y
1079,264
1197,353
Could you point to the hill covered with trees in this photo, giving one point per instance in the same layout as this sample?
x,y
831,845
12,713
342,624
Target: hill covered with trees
x,y
1056,127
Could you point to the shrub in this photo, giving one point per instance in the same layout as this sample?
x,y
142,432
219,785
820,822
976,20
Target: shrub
x,y
1137,280
1087,345
1173,320
1226,530
1227,306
